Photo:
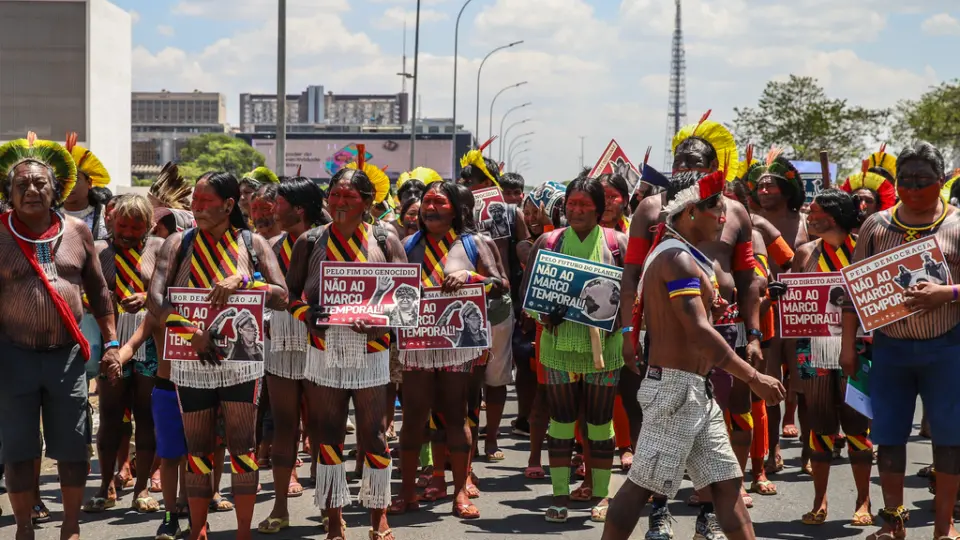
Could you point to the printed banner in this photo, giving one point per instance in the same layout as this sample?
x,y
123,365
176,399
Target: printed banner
x,y
449,321
813,305
590,291
237,328
877,283
615,161
490,212
379,294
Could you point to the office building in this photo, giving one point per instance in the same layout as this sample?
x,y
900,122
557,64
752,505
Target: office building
x,y
261,110
163,121
312,111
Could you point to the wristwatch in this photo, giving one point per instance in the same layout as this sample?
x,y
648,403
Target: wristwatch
x,y
753,332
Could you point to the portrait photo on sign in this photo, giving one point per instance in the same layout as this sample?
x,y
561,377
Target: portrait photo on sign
x,y
496,225
467,319
405,300
601,299
834,309
931,272
237,335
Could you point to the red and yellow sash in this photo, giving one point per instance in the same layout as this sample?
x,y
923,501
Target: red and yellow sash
x,y
128,281
834,260
434,258
286,250
213,259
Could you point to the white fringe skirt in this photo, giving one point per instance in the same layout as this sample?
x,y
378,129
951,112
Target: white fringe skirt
x,y
287,355
127,324
346,364
194,374
438,359
825,352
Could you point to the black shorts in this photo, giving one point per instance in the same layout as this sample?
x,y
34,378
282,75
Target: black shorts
x,y
201,399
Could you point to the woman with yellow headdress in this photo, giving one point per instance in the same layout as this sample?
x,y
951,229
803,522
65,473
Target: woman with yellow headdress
x,y
90,195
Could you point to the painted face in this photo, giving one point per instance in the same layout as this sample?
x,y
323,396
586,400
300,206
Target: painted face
x,y
128,232
410,217
614,204
31,189
262,212
710,221
437,211
692,156
286,214
513,195
246,194
209,210
868,201
534,226
818,221
918,185
78,198
581,212
108,216
768,191
345,203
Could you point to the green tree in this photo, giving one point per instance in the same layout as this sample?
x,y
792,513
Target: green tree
x,y
798,116
218,151
935,118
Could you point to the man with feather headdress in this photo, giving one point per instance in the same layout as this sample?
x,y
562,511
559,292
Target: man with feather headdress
x,y
170,195
250,183
49,257
875,184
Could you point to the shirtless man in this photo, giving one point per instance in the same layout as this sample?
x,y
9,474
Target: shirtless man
x,y
48,258
683,427
703,147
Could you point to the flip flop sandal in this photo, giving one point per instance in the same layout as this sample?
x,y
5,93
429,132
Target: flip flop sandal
x,y
559,514
472,491
433,494
220,504
862,519
883,536
534,473
273,525
763,487
42,512
294,492
581,494
790,431
806,468
814,518
466,511
598,514
497,455
776,467
155,486
124,483
626,460
747,499
425,475
326,521
402,506
145,505
95,505
374,535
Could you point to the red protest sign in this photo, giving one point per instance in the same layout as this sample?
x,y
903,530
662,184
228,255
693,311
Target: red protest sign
x,y
615,161
490,211
877,284
812,305
237,328
379,294
449,321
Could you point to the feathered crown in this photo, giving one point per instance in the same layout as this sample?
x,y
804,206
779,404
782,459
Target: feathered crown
x,y
883,160
706,187
750,171
886,192
48,153
423,174
780,167
717,136
171,190
380,180
87,162
474,158
262,175
945,192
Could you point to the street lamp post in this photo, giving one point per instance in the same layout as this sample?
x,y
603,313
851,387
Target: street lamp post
x,y
516,139
456,47
490,133
282,89
416,79
522,151
524,163
511,155
479,71
505,115
507,134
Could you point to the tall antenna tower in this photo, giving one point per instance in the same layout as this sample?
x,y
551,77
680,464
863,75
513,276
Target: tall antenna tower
x,y
677,102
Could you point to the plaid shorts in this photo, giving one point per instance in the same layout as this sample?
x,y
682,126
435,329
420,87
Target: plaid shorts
x,y
600,378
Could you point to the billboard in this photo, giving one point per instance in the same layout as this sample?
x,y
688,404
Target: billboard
x,y
322,158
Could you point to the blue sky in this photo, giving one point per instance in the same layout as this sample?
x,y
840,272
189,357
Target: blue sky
x,y
596,68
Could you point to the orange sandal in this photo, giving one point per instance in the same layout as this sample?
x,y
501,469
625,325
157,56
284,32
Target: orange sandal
x,y
466,511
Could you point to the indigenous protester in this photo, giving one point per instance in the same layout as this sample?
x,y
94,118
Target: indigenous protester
x,y
344,362
222,255
298,208
833,217
262,212
250,183
127,262
49,257
573,379
511,184
170,196
88,200
915,355
450,257
410,188
683,427
873,191
479,173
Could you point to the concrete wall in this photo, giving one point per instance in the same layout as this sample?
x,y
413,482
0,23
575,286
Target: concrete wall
x,y
109,86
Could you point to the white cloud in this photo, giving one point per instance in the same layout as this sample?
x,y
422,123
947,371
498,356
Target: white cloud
x,y
134,16
396,17
941,24
166,30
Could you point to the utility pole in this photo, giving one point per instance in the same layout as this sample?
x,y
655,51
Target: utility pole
x,y
582,138
416,79
281,168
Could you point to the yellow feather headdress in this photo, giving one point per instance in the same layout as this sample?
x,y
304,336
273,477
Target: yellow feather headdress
x,y
945,192
380,180
87,162
883,160
474,158
48,153
423,174
262,175
885,190
717,136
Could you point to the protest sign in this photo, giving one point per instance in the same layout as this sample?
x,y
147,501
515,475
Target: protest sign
x,y
490,212
615,161
379,294
876,284
858,390
812,305
449,321
589,291
236,329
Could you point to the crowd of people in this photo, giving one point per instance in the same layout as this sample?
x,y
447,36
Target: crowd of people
x,y
689,381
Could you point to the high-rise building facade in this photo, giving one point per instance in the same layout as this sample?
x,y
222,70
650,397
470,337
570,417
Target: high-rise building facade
x,y
313,110
163,121
261,110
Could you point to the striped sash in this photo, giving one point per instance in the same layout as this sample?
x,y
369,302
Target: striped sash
x,y
286,250
434,258
213,259
128,281
834,260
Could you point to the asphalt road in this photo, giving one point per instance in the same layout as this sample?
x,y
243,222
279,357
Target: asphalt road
x,y
512,507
